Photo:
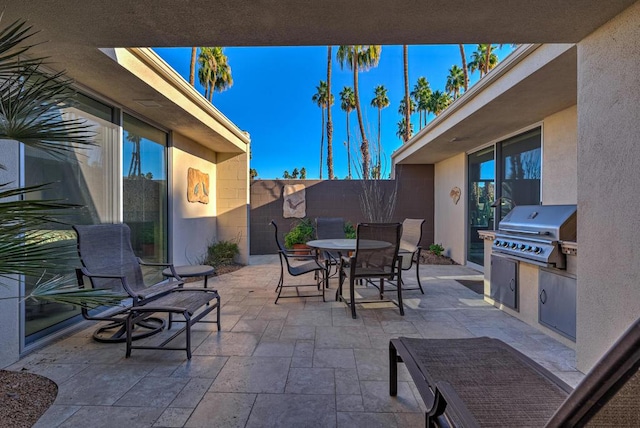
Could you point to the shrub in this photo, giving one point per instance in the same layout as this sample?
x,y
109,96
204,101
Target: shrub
x,y
221,253
300,233
436,249
349,230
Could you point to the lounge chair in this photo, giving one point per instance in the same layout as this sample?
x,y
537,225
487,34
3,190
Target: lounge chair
x,y
109,262
410,248
485,382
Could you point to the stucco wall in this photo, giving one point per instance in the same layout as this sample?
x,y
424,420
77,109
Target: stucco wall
x,y
608,183
10,332
449,224
194,223
559,158
233,202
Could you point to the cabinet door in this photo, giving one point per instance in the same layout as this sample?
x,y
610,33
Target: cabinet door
x,y
557,302
504,281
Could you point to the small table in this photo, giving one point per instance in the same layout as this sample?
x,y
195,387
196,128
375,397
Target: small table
x,y
191,271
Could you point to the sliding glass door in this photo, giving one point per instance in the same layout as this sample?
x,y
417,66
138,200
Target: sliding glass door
x,y
481,193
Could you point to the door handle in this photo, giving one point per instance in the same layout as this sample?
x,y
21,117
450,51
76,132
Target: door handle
x,y
543,296
512,284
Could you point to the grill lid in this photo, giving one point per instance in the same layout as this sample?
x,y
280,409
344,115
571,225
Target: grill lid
x,y
553,222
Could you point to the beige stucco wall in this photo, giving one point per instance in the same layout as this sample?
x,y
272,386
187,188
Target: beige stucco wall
x,y
194,224
608,183
559,158
9,313
233,201
449,218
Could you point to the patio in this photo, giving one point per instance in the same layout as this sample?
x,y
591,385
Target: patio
x,y
301,362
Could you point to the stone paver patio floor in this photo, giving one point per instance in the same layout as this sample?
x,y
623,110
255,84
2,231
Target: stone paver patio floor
x,y
302,362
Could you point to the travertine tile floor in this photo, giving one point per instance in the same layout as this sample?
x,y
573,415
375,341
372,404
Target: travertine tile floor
x,y
300,363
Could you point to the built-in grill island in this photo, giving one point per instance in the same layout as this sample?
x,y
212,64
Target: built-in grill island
x,y
534,235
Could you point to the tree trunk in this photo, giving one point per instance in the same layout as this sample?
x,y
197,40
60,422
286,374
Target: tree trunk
x,y
487,58
464,68
379,147
329,121
407,112
192,68
348,148
321,142
364,147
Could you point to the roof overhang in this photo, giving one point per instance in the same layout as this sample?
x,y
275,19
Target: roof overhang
x,y
535,81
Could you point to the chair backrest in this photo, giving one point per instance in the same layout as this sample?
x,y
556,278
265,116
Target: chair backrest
x,y
275,227
371,258
411,234
609,395
329,227
106,249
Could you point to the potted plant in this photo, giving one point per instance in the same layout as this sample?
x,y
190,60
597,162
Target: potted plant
x,y
297,238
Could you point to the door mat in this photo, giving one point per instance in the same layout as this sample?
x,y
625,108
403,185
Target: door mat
x,y
475,286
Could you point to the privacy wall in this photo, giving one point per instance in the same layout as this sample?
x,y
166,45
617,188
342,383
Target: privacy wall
x,y
339,198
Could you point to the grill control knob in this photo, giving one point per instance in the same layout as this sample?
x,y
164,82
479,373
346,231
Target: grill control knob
x,y
537,250
513,245
529,248
496,242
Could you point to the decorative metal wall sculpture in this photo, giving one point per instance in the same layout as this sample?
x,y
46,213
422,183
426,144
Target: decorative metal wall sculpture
x,y
197,186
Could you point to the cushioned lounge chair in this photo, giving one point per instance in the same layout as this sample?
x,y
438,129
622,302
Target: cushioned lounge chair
x,y
485,382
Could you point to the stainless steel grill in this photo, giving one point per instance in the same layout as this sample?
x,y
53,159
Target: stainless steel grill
x,y
532,233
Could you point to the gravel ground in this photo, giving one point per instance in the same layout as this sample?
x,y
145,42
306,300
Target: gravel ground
x,y
24,397
428,258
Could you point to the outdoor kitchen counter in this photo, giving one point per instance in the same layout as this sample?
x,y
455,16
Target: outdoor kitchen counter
x,y
528,285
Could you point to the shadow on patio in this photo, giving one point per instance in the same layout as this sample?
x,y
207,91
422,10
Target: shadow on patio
x,y
301,362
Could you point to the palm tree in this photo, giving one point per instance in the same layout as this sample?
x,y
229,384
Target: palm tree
x,y
464,67
407,115
322,100
348,103
479,60
192,66
455,81
329,121
421,93
402,109
31,112
214,73
360,58
439,102
402,128
380,101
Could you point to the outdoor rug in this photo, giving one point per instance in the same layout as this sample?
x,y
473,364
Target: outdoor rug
x,y
475,286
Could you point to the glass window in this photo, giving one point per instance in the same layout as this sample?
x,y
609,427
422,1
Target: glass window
x,y
87,177
144,169
481,195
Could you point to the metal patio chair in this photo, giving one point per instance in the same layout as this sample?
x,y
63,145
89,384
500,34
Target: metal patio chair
x,y
485,382
329,228
108,261
410,248
371,262
288,258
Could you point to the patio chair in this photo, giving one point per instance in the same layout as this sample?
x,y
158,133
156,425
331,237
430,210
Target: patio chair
x,y
329,228
372,261
288,258
108,261
485,382
410,248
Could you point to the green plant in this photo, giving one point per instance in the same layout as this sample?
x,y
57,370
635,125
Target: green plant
x,y
300,233
221,253
349,230
436,249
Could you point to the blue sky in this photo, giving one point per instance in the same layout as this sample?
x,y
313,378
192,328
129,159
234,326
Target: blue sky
x,y
271,99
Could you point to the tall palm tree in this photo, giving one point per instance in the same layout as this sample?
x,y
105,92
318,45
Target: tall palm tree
x,y
402,109
360,58
402,128
380,101
479,60
407,115
464,67
329,121
192,66
455,81
348,103
214,73
322,100
421,94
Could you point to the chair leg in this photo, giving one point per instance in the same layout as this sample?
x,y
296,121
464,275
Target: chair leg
x,y
218,313
399,287
393,370
352,295
418,274
381,288
187,320
129,323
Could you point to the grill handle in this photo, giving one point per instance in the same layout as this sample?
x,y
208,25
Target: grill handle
x,y
543,297
526,232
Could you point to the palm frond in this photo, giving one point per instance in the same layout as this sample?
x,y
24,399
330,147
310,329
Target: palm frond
x,y
64,289
12,47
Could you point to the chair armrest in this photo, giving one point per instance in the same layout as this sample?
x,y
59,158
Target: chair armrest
x,y
149,308
142,262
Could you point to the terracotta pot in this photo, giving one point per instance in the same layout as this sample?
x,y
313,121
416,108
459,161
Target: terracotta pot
x,y
301,249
